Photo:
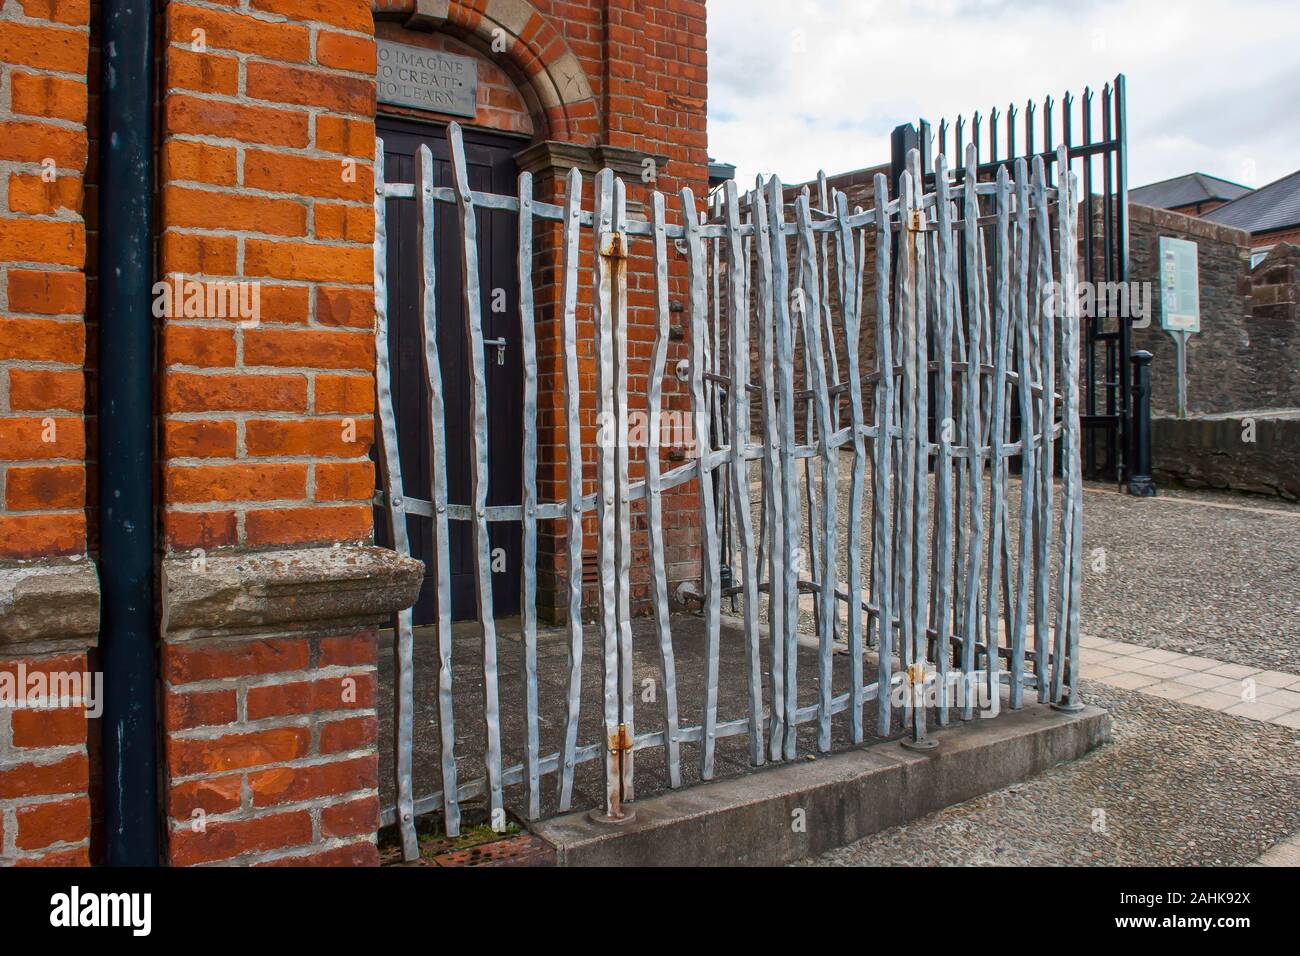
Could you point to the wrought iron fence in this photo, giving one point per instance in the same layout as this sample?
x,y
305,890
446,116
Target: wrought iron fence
x,y
948,583
1093,130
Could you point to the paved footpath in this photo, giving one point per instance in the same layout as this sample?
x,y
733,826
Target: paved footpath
x,y
1268,695
1192,642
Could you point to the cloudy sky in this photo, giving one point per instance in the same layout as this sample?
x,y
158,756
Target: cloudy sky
x,y
797,85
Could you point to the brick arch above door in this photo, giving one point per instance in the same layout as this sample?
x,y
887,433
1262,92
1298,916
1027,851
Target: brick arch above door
x,y
549,73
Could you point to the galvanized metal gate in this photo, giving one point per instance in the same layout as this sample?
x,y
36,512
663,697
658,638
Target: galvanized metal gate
x,y
973,281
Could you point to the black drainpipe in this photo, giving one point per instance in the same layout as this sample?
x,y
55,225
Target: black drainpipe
x,y
126,527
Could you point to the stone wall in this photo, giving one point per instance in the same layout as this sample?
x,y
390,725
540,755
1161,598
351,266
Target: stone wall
x,y
1274,326
1226,363
1256,454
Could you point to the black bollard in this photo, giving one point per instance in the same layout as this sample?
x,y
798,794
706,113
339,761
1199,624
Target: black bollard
x,y
1140,482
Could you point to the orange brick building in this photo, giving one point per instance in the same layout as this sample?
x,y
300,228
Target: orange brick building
x,y
264,132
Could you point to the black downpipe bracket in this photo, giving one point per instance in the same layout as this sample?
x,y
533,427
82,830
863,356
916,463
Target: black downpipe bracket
x,y
126,525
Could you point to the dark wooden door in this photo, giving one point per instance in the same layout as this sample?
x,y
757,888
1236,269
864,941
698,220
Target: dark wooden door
x,y
491,169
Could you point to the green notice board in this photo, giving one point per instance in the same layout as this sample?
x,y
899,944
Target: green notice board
x,y
1180,286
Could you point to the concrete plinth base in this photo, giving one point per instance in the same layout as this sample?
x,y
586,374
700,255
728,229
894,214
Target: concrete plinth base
x,y
791,811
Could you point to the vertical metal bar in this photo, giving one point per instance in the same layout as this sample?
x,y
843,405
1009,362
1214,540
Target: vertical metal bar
x,y
1028,461
738,353
623,517
441,544
810,491
1113,358
573,441
1064,542
920,586
529,583
1074,476
882,546
849,309
479,471
784,336
961,516
810,300
824,201
1066,637
975,279
1090,375
908,480
716,393
1121,273
623,544
654,499
390,469
700,421
1047,126
608,439
1046,304
946,265
997,459
773,499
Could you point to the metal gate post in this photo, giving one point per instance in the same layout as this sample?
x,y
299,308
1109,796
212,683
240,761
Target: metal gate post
x,y
913,325
612,503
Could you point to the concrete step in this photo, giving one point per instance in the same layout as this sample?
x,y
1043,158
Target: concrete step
x,y
789,811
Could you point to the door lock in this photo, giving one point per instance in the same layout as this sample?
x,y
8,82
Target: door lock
x,y
501,348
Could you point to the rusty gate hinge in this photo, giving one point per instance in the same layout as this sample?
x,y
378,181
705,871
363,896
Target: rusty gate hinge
x,y
613,245
621,742
915,674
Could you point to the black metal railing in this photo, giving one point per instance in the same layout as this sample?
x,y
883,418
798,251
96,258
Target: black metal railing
x,y
1100,158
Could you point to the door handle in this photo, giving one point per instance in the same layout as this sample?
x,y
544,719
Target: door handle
x,y
501,348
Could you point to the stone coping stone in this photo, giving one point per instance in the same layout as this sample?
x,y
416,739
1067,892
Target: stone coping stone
x,y
799,809
48,604
320,590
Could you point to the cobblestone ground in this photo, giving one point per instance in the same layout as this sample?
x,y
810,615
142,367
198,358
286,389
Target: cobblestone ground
x,y
1207,574
1204,573
1176,786
1198,573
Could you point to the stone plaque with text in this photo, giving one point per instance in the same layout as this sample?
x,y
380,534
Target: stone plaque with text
x,y
427,79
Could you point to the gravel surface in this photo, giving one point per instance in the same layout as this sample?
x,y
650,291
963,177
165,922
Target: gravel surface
x,y
1206,574
1177,786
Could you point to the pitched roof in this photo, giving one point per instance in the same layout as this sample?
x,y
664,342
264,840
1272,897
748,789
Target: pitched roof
x,y
1275,206
1186,190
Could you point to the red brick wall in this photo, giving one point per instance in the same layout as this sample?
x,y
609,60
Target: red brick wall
x,y
43,152
266,135
267,139
266,132
647,65
1269,239
45,774
270,751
